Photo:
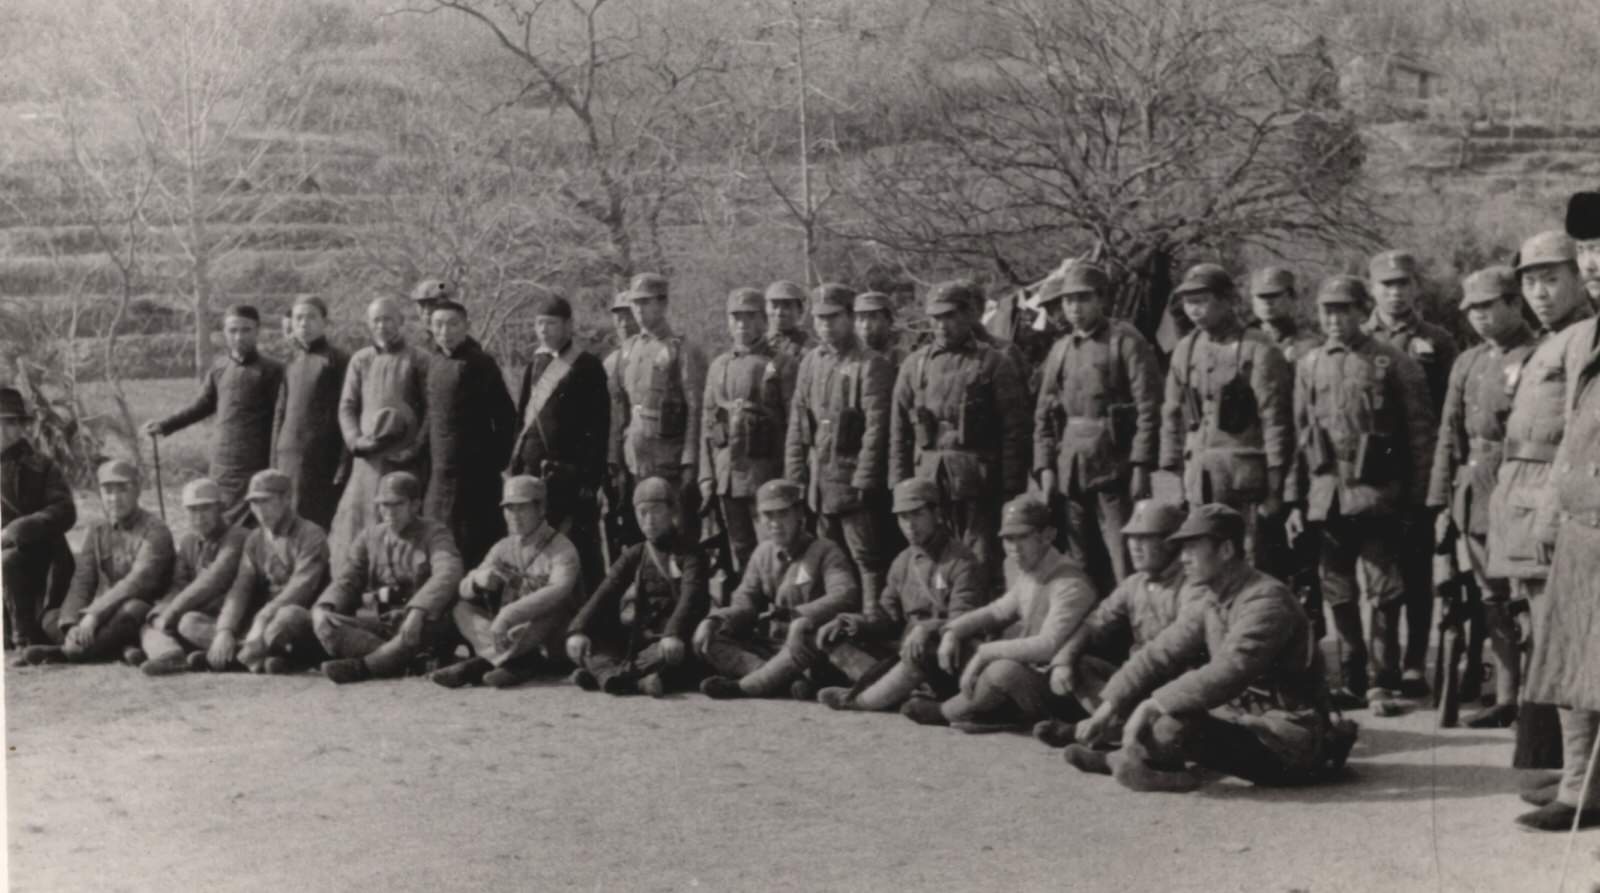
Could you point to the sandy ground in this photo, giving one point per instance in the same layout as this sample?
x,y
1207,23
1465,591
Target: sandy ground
x,y
119,782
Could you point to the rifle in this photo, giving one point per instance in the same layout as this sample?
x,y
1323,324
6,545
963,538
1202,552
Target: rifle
x,y
1461,605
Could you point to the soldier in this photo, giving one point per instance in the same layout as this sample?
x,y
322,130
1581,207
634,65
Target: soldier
x,y
36,511
240,389
285,566
662,383
206,563
786,309
632,635
1225,419
1466,458
1521,519
1398,321
960,419
515,606
618,521
471,422
305,426
1273,301
1142,605
1255,703
763,642
564,429
745,409
932,582
387,602
1004,685
1366,440
838,438
1096,422
874,312
124,566
429,294
383,414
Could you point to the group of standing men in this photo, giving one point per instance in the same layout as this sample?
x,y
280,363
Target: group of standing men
x,y
929,531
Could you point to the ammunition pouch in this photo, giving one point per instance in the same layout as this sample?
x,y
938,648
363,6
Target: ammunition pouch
x,y
1375,459
927,428
1320,455
1124,424
755,433
719,434
1236,406
977,423
1058,421
849,428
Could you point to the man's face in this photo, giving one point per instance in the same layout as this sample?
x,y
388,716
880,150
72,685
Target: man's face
x,y
834,329
269,510
1204,558
1083,309
11,431
951,327
1272,306
1150,553
397,513
918,525
240,334
624,323
874,327
656,519
785,314
1589,267
1552,290
553,332
1207,311
306,323
1340,322
523,518
747,328
206,519
652,312
1396,296
1028,549
119,499
449,328
383,322
1492,319
783,525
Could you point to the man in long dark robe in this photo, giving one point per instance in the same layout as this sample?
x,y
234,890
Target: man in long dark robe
x,y
36,511
305,427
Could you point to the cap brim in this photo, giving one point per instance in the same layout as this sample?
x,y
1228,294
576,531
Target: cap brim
x,y
774,506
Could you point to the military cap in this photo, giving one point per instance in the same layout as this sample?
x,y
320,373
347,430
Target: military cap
x,y
1082,277
433,290
1583,216
1488,285
1024,515
1153,517
556,306
117,471
953,296
831,298
200,491
268,482
1205,277
1212,519
915,493
1553,246
653,489
1387,266
392,424
520,489
397,486
871,301
778,494
647,285
1343,290
1271,280
243,311
784,290
746,300
448,305
12,406
621,303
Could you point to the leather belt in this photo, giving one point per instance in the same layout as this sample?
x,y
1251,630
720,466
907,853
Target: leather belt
x,y
1530,451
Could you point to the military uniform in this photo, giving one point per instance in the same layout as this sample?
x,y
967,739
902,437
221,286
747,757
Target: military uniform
x,y
36,511
267,608
1139,609
242,393
792,343
203,570
306,444
544,588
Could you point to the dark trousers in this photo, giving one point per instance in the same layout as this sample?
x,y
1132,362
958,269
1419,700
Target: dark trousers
x,y
112,634
610,660
374,639
857,533
1360,559
1416,568
35,579
1092,533
1274,748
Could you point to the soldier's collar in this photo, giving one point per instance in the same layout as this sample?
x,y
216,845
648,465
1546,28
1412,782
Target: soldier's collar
x,y
1396,324
131,520
533,534
936,543
802,544
1103,324
1230,580
1172,571
1512,339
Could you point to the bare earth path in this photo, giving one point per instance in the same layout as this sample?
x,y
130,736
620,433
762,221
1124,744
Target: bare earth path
x,y
118,782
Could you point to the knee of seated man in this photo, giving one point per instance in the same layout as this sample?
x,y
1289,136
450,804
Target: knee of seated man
x,y
1005,672
133,610
1170,733
323,623
192,625
287,621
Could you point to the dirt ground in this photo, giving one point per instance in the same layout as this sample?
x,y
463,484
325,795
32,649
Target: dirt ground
x,y
119,782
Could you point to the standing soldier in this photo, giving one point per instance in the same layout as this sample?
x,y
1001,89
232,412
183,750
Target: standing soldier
x,y
470,426
745,418
206,563
1466,458
960,419
36,511
662,383
1521,520
1397,319
1096,422
1367,430
875,326
618,520
240,389
565,429
1225,419
838,437
305,426
786,308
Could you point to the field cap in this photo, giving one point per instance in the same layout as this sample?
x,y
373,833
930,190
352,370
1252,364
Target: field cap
x,y
653,490
777,495
871,301
200,491
1488,285
117,471
621,303
433,290
1212,519
784,290
915,493
646,286
398,486
954,296
1271,280
832,298
1553,246
1204,277
1024,515
746,300
268,482
521,489
1583,216
1153,517
1343,290
12,406
1387,266
392,424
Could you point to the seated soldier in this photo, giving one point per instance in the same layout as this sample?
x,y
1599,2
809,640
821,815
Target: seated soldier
x,y
515,606
1235,684
1136,612
763,641
207,561
285,565
36,511
1004,686
935,579
124,566
632,634
387,604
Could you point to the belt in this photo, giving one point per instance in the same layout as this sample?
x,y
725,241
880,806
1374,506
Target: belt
x,y
1530,451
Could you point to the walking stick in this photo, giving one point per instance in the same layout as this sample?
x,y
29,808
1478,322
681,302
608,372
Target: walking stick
x,y
155,454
